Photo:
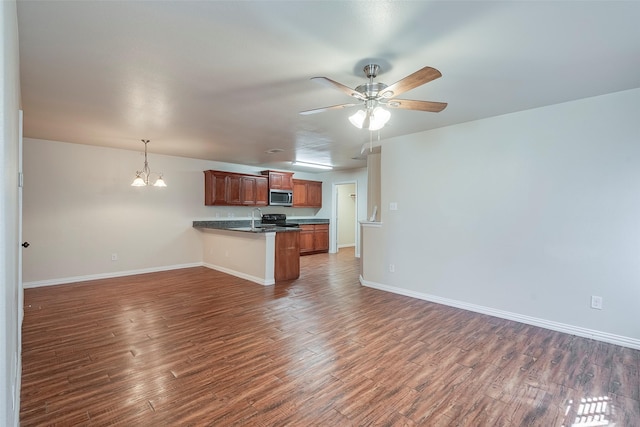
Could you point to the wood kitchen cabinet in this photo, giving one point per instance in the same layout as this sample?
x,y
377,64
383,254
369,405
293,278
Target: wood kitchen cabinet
x,y
254,191
299,193
307,194
321,238
215,191
287,257
307,233
314,238
314,194
279,180
235,189
232,189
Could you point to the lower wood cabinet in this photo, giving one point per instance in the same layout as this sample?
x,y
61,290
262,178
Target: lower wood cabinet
x,y
314,238
287,262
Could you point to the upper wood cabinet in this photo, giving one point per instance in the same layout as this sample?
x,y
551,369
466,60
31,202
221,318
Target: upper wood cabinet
x,y
235,189
254,191
262,192
307,194
314,194
215,191
299,193
232,189
279,180
241,189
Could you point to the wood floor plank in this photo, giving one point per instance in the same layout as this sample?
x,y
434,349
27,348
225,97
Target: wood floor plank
x,y
199,347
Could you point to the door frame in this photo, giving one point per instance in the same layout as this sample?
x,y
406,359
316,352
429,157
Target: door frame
x,y
333,247
20,241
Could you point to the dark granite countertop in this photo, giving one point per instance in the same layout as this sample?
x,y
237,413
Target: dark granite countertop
x,y
309,221
244,225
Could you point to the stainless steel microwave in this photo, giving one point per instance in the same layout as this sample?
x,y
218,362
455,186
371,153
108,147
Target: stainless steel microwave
x,y
280,197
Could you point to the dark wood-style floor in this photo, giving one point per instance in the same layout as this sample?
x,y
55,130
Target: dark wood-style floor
x,y
198,347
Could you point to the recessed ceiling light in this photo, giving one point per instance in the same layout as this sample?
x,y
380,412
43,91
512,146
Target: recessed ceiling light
x,y
274,150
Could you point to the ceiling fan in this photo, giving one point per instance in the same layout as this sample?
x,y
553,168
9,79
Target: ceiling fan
x,y
375,95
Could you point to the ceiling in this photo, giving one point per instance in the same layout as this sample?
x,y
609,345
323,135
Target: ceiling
x,y
225,80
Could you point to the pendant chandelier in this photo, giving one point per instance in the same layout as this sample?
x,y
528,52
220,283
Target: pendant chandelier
x,y
143,176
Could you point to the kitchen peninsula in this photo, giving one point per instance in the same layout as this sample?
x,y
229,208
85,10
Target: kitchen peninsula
x,y
262,254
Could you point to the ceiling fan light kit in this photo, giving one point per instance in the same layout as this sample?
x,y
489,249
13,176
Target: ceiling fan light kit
x,y
375,95
378,117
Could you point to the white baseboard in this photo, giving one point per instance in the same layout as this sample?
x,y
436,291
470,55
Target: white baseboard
x,y
543,323
348,245
255,279
75,279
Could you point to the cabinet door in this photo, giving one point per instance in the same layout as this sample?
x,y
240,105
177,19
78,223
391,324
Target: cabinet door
x,y
214,188
262,191
321,237
279,180
286,180
254,191
233,189
248,190
287,257
275,181
314,194
306,238
299,193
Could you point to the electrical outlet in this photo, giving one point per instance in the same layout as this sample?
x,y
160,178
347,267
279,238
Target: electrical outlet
x,y
392,268
393,206
596,302
114,257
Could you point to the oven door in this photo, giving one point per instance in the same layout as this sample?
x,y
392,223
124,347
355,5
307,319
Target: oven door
x,y
280,197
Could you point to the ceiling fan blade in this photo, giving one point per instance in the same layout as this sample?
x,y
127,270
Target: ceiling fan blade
x,y
333,107
420,77
334,84
409,104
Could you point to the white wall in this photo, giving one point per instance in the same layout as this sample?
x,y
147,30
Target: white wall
x,y
79,209
250,256
10,312
373,191
529,213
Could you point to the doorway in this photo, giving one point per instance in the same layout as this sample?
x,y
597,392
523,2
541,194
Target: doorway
x,y
345,214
